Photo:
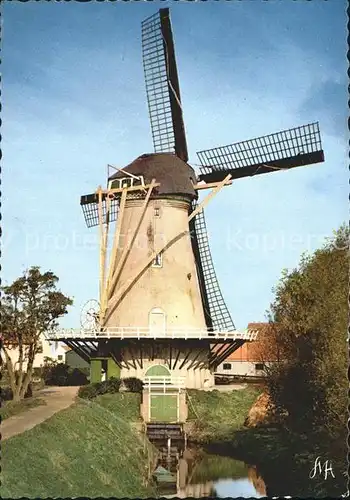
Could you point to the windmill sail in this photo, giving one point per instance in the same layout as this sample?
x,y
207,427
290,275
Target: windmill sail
x,y
162,85
283,150
216,313
89,205
168,132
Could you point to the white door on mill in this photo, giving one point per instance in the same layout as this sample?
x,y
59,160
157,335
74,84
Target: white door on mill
x,y
157,321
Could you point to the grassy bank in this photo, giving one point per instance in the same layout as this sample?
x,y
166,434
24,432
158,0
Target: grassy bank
x,y
215,416
285,460
11,408
92,449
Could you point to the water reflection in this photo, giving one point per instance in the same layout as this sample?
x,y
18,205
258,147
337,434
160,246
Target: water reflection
x,y
190,472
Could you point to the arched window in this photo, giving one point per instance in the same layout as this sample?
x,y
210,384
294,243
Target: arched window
x,y
157,370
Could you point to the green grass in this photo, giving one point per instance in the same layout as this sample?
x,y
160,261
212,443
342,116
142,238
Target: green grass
x,y
126,404
217,415
11,408
88,450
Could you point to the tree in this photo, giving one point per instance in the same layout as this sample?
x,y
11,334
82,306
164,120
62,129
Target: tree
x,y
310,312
30,307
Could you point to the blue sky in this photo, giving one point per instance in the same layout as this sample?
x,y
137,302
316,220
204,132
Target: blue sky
x,y
74,100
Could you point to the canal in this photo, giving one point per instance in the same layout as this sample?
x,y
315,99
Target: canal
x,y
192,472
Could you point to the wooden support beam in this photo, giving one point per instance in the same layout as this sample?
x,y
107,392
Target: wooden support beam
x,y
118,353
130,350
186,358
85,355
135,345
100,222
103,303
126,362
195,359
216,352
115,353
200,365
116,239
116,360
177,358
170,354
204,361
215,359
206,200
141,356
127,248
208,185
236,345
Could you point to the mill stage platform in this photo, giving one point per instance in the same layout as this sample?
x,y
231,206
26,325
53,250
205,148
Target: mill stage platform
x,y
139,332
133,351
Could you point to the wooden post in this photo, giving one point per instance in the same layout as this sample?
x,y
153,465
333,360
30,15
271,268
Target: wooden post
x,y
116,238
104,253
209,197
100,222
127,248
208,185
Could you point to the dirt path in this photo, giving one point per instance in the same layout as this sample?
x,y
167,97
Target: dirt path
x,y
56,399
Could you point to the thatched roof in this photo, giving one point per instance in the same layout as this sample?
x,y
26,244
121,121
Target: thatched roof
x,y
174,175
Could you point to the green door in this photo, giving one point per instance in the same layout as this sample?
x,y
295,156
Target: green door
x,y
164,407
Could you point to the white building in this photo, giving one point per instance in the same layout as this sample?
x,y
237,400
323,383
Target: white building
x,y
51,349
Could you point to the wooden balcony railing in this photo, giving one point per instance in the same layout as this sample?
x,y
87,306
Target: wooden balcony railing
x,y
140,332
163,382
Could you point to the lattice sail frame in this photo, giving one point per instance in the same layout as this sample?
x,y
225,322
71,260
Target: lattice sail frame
x,y
89,205
218,317
282,150
157,89
162,85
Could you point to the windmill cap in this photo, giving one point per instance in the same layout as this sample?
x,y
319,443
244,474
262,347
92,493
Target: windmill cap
x,y
174,175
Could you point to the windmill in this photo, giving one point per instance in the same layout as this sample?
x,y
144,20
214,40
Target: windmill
x,y
161,311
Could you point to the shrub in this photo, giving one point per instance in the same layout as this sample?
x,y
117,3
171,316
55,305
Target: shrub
x,y
77,377
61,374
133,384
88,391
112,385
7,394
92,390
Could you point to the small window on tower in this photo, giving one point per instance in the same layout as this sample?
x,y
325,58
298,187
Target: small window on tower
x,y
114,185
226,366
126,182
158,261
156,211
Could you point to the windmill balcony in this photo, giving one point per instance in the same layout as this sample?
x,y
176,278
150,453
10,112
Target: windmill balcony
x,y
140,332
156,382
